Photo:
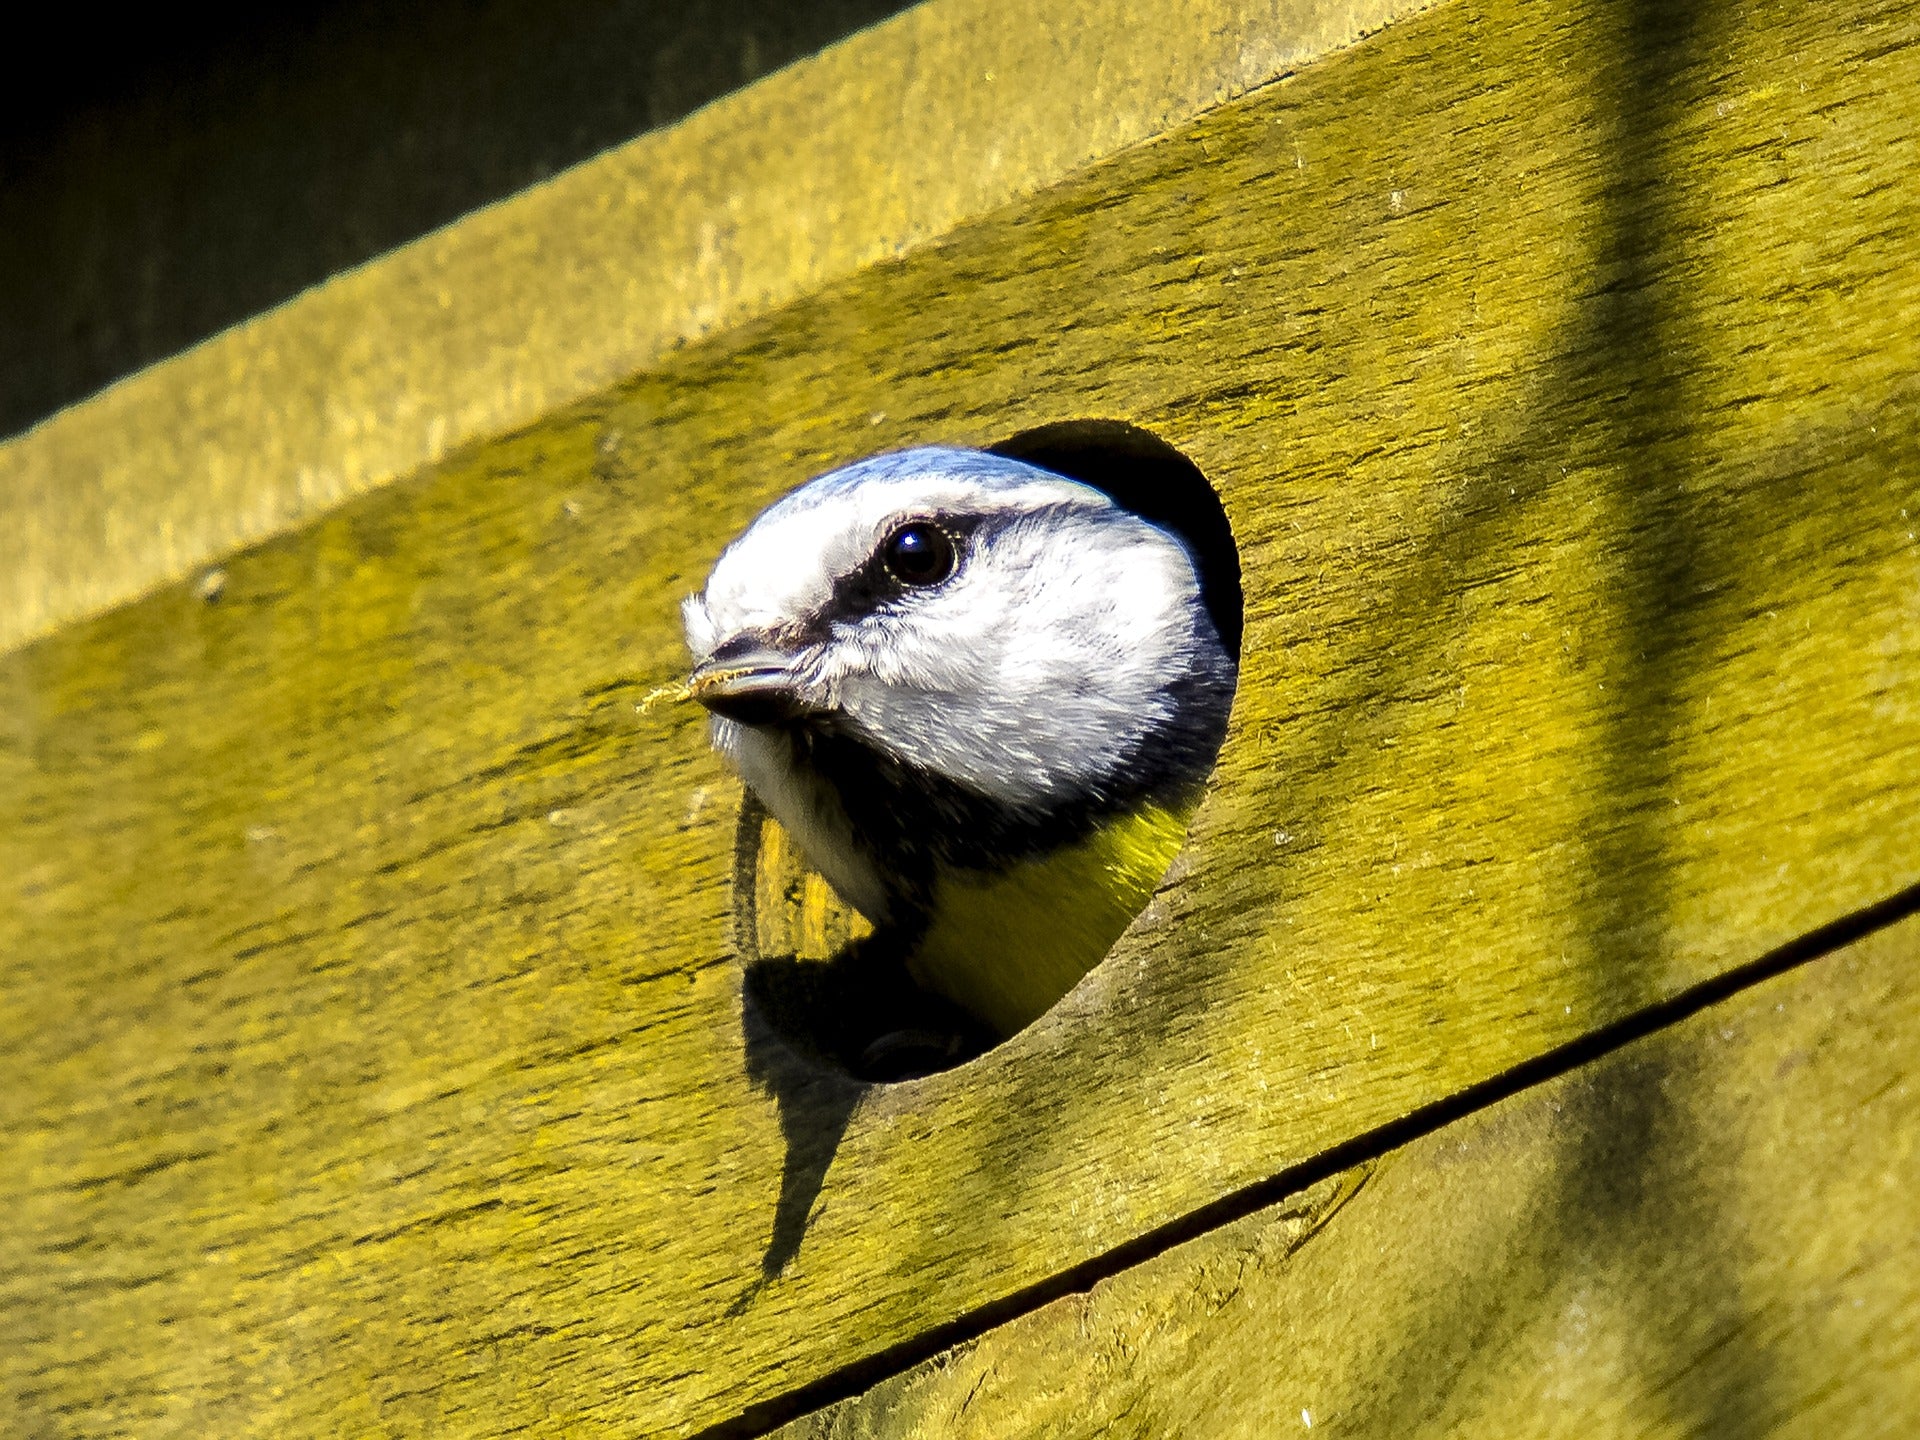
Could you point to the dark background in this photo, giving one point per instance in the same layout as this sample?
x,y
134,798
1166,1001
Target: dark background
x,y
169,172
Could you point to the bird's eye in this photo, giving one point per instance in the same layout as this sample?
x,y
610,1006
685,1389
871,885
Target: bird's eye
x,y
919,554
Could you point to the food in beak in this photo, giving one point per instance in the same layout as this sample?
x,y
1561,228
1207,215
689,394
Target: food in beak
x,y
754,687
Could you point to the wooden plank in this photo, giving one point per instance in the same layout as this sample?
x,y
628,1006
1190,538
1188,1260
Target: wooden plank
x,y
848,158
373,1045
1711,1232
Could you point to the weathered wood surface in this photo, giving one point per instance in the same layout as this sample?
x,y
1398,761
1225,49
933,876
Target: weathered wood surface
x,y
1713,1231
373,1050
495,322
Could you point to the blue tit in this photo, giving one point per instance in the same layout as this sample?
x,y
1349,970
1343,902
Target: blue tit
x,y
982,697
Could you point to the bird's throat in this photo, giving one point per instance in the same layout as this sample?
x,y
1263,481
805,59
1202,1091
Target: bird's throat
x,y
1006,944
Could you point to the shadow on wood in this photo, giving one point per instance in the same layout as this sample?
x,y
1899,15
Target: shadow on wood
x,y
821,1032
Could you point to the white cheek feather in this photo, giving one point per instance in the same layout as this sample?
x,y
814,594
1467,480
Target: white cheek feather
x,y
697,622
1040,668
811,813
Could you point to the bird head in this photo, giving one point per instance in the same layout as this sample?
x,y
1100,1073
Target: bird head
x,y
966,615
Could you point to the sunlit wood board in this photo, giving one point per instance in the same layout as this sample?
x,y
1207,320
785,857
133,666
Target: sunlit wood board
x,y
1713,1231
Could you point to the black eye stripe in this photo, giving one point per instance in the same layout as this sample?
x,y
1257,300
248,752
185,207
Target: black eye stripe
x,y
871,584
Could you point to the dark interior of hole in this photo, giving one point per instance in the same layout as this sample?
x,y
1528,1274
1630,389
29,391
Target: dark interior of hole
x,y
858,1013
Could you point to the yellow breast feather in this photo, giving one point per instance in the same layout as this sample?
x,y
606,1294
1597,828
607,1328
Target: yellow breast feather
x,y
1006,945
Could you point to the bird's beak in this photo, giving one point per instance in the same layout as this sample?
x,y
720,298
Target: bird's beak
x,y
753,684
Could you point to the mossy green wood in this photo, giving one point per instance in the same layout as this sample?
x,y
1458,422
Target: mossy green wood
x,y
374,1051
947,111
1710,1232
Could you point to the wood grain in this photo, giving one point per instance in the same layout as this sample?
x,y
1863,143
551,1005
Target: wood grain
x,y
1710,1232
373,1049
850,157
